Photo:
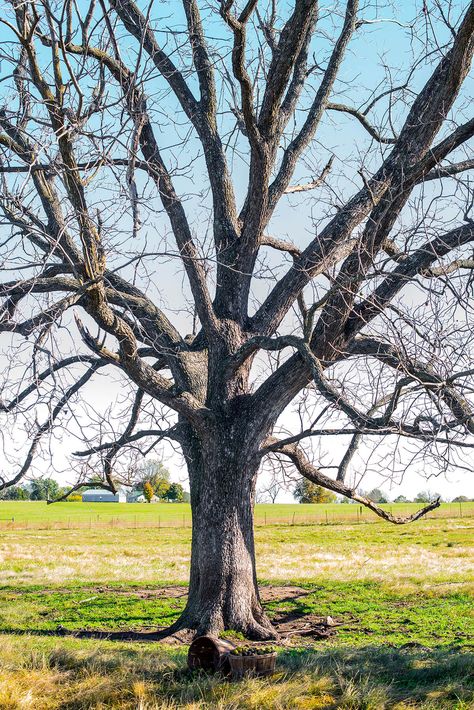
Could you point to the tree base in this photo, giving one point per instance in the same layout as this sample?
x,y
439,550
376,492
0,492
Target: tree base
x,y
211,624
181,631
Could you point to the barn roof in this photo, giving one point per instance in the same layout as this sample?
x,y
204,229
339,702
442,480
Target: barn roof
x,y
98,492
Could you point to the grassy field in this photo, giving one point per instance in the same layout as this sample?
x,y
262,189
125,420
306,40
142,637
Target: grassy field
x,y
40,515
402,596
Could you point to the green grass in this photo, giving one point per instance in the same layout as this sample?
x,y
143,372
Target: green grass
x,y
40,511
388,586
368,611
179,514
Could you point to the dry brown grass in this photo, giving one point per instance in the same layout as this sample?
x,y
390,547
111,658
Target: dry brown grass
x,y
71,675
374,552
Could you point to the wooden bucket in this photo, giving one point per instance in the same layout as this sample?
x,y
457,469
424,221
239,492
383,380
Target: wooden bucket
x,y
252,665
210,654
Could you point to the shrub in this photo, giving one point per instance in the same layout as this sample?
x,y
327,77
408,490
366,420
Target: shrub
x,y
148,491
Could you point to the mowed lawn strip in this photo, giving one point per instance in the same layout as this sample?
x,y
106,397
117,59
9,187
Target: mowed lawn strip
x,y
39,513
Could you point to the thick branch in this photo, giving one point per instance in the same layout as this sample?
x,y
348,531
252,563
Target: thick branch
x,y
398,174
292,43
238,27
418,262
138,110
201,114
389,355
309,471
302,140
449,170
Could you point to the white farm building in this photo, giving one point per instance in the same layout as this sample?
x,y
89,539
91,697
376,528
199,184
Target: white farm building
x,y
98,495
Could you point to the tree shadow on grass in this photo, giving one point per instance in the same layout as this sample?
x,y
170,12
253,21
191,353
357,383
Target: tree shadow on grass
x,y
127,635
367,678
439,677
322,675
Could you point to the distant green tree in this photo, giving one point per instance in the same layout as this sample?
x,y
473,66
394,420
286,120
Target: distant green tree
x,y
161,487
15,493
308,492
460,499
175,493
422,497
377,496
148,491
426,497
401,499
44,489
156,474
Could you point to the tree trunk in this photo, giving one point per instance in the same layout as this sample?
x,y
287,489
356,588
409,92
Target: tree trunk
x,y
223,592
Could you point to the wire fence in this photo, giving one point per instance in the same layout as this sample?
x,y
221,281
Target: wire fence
x,y
349,514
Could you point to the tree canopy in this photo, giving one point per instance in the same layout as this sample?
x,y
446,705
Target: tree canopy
x,y
308,492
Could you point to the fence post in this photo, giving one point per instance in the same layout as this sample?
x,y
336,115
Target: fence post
x,y
327,519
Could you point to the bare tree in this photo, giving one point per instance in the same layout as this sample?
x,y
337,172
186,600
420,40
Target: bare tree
x,y
143,161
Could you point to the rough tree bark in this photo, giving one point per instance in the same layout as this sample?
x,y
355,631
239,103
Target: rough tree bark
x,y
223,592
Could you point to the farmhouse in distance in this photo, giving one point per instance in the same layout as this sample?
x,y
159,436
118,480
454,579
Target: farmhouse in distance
x,y
97,495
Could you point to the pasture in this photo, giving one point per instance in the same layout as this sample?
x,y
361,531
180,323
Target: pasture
x,y
401,595
40,515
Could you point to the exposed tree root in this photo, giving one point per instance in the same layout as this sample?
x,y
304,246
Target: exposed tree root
x,y
305,626
190,624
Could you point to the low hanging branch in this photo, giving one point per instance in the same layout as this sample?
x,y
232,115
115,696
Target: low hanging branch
x,y
312,473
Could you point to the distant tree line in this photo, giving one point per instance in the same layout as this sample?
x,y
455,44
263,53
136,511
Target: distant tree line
x,y
38,489
308,492
151,480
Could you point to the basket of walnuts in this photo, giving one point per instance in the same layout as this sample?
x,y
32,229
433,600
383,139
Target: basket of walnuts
x,y
252,661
